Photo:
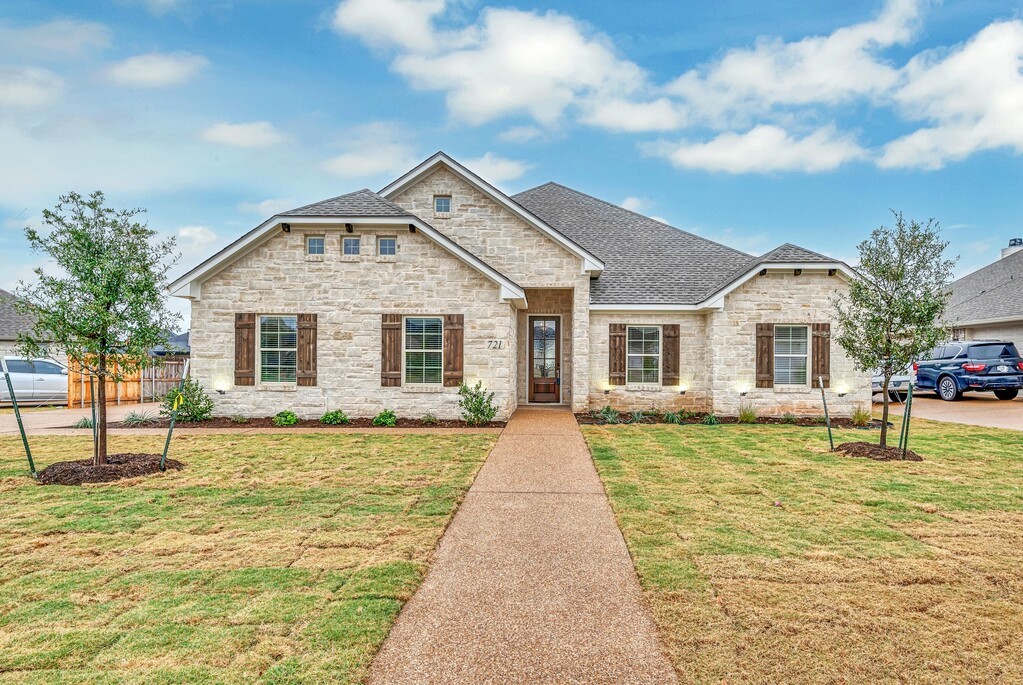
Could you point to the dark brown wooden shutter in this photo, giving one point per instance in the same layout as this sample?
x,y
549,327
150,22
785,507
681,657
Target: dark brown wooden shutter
x,y
765,355
670,354
616,357
390,350
454,334
244,349
307,349
821,354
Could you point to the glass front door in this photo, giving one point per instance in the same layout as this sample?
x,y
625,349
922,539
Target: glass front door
x,y
544,359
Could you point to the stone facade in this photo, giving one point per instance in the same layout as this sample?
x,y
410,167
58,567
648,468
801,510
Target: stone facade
x,y
543,302
1009,331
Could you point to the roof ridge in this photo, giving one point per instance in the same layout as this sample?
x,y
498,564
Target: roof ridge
x,y
798,247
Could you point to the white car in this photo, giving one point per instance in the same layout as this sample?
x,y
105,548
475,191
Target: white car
x,y
898,387
35,381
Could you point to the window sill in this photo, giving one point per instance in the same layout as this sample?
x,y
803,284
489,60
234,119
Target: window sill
x,y
423,387
793,389
314,258
351,258
643,387
277,387
442,215
386,259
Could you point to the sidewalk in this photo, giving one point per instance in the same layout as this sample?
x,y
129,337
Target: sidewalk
x,y
37,420
532,582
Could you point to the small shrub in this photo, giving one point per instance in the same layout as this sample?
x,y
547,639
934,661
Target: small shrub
x,y
607,415
429,420
687,415
335,418
637,417
285,418
820,420
238,418
672,417
477,404
84,422
135,418
789,417
386,418
747,412
861,417
195,405
710,420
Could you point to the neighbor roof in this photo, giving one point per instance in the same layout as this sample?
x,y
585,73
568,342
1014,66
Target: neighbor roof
x,y
11,321
360,203
994,293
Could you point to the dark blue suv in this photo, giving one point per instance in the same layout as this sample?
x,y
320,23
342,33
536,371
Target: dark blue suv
x,y
971,365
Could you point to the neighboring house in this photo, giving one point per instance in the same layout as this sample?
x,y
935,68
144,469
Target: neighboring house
x,y
177,346
389,300
988,304
12,323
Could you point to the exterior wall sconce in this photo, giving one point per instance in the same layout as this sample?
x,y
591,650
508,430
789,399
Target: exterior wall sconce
x,y
221,387
607,391
221,392
743,393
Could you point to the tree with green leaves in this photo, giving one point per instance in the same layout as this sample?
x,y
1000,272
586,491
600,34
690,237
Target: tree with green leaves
x,y
891,315
104,304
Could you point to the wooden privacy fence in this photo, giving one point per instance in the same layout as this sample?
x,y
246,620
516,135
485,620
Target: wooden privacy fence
x,y
150,384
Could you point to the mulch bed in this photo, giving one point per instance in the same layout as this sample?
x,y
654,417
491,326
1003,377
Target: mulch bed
x,y
267,422
876,452
118,466
805,421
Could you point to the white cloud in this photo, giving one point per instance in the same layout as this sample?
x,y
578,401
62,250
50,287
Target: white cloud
x,y
623,115
254,134
633,204
267,207
520,134
763,149
156,69
161,7
973,94
29,87
405,23
61,38
373,150
194,240
497,169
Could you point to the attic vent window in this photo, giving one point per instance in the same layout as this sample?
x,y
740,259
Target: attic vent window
x,y
441,204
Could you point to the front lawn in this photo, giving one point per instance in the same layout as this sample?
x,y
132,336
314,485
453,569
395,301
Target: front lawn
x,y
867,572
270,558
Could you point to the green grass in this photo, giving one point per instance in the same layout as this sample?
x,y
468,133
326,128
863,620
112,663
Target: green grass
x,y
270,558
867,572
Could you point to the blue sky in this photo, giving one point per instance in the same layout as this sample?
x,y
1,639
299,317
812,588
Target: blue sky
x,y
750,123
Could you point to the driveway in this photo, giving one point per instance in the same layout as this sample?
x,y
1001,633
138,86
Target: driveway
x,y
979,409
38,419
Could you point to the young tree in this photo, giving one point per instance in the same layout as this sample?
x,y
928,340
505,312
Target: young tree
x,y
890,316
105,302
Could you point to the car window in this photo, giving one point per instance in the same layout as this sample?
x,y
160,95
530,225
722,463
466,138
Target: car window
x,y
19,366
994,351
48,368
952,351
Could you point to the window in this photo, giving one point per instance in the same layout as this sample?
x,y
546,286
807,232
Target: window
x,y
441,204
424,342
19,366
791,345
314,244
644,354
351,246
387,246
278,349
48,368
991,352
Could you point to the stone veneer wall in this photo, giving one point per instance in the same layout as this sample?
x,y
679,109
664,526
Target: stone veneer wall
x,y
547,302
780,298
693,373
1004,331
510,245
349,294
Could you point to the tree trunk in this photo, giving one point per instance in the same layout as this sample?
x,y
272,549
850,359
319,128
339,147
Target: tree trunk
x,y
884,412
100,456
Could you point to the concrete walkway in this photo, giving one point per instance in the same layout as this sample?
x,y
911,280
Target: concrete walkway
x,y
532,582
40,419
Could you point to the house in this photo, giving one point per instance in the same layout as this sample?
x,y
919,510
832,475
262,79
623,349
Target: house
x,y
12,323
177,346
369,300
988,304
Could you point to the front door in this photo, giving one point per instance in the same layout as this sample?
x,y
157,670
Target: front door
x,y
544,359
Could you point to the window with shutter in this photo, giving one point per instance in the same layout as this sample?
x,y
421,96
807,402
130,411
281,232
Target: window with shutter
x,y
671,353
307,349
244,349
822,354
765,355
390,350
616,354
454,334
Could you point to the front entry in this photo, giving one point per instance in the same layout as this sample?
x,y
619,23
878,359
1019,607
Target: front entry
x,y
544,359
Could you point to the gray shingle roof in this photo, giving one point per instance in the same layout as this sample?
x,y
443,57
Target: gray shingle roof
x,y
11,322
789,253
645,261
994,292
360,203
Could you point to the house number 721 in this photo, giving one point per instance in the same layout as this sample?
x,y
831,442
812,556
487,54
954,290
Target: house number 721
x,y
495,344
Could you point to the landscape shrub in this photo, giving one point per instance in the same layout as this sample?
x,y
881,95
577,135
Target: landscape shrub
x,y
747,412
710,420
861,417
195,405
386,418
789,417
238,418
477,404
429,420
637,417
84,422
335,418
672,417
135,418
606,415
285,418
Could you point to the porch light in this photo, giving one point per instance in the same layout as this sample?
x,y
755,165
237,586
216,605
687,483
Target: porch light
x,y
682,387
221,385
842,389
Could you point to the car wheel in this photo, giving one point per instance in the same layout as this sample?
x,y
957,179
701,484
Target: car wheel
x,y
1006,393
948,390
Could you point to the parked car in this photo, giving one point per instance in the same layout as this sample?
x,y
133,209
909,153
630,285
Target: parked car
x,y
35,381
898,387
971,366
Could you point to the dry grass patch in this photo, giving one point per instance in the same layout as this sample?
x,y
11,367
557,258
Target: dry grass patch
x,y
868,572
269,558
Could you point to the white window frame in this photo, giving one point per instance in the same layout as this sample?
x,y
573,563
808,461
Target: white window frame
x,y
405,350
660,352
442,197
322,238
387,237
344,245
805,356
260,349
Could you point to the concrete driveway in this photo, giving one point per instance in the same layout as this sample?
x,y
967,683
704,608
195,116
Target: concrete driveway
x,y
975,409
38,419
